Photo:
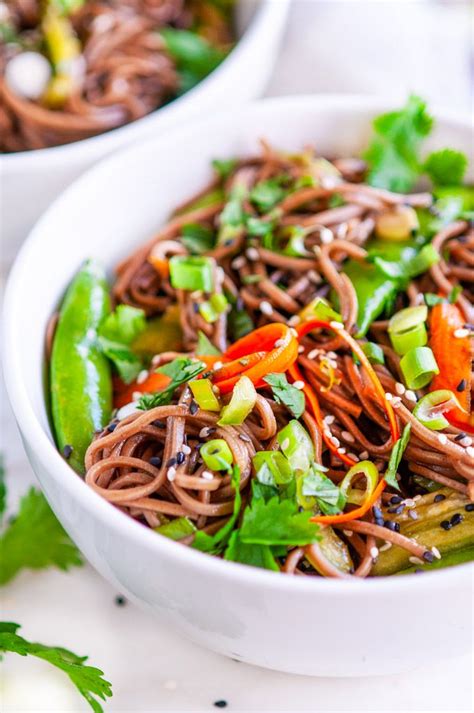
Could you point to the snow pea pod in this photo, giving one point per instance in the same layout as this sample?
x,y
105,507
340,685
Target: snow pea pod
x,y
80,376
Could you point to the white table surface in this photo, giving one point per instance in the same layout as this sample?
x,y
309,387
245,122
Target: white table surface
x,y
353,46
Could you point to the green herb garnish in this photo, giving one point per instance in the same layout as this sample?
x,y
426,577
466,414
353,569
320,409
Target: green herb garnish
x,y
180,370
286,394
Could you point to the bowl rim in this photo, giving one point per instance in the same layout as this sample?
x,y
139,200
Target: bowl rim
x,y
265,15
109,515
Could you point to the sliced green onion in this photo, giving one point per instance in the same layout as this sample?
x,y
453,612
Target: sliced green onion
x,y
177,529
190,272
304,501
272,468
407,329
319,308
297,446
429,409
204,395
354,495
373,352
216,454
422,261
242,402
219,302
418,367
211,309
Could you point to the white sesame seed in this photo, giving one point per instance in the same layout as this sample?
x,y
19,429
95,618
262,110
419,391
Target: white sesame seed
x,y
313,353
342,230
196,295
204,432
409,502
326,236
388,396
332,355
385,547
137,395
336,325
413,514
329,419
301,349
142,376
461,333
332,363
335,441
348,533
442,438
266,308
410,395
220,274
399,388
215,389
217,365
293,321
396,401
364,455
238,262
374,552
416,498
466,441
207,475
127,410
436,553
186,450
171,474
252,253
415,560
341,451
285,444
298,385
347,436
314,277
279,343
353,456
470,451
293,331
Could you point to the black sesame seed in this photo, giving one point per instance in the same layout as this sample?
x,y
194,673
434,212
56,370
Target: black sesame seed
x,y
120,601
428,556
469,507
418,571
461,386
193,408
445,524
438,498
456,519
67,451
156,461
396,510
395,499
390,525
220,704
159,424
460,436
377,512
180,458
227,243
112,426
196,307
171,462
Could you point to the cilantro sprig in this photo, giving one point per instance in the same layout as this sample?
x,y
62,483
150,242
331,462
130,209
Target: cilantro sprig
x,y
286,394
88,680
214,544
180,370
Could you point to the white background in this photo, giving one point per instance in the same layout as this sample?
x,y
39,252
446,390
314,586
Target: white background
x,y
389,47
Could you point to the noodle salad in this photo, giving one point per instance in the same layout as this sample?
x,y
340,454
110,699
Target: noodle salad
x,y
71,69
282,376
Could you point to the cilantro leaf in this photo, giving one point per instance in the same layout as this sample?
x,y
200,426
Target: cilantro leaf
x,y
180,370
224,167
35,539
277,522
88,680
197,238
194,56
217,542
266,194
250,554
393,153
206,347
328,495
396,456
118,330
286,393
446,167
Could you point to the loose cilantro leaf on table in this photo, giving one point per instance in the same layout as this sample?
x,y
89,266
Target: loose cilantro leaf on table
x,y
116,334
88,680
35,539
396,455
214,544
277,522
180,370
286,393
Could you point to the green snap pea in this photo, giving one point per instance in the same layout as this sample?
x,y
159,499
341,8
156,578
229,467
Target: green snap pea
x,y
80,376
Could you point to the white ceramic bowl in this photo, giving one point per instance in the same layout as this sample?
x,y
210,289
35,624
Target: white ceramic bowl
x,y
31,180
310,626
